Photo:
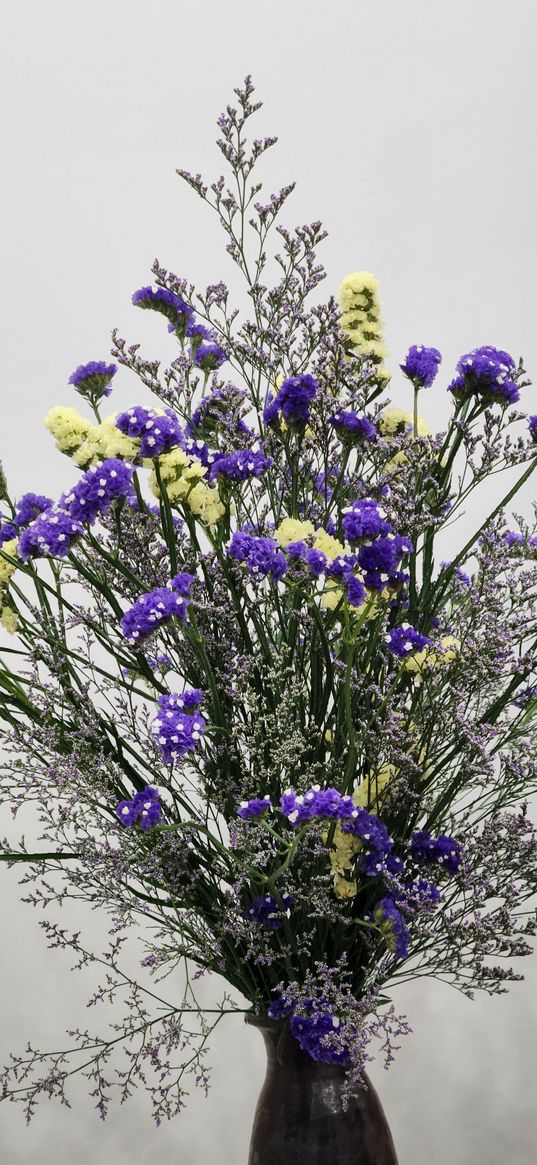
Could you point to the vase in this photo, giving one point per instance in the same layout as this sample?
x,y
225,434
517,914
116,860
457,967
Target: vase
x,y
300,1118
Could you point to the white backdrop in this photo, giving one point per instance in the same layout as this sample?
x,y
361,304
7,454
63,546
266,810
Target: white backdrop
x,y
410,128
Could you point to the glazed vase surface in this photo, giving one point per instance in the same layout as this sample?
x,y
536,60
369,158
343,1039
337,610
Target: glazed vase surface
x,y
300,1118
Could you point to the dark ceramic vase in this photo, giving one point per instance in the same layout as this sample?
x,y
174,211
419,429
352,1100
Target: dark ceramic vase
x,y
300,1119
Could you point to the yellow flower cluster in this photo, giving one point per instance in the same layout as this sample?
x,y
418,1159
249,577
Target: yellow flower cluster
x,y
433,656
373,792
294,530
369,795
7,568
393,422
183,477
344,849
89,444
68,427
361,317
8,617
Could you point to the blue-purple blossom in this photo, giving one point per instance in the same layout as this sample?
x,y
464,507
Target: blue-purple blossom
x,y
354,588
486,373
421,365
177,727
27,510
197,333
240,465
349,424
151,610
208,356
254,808
267,911
391,923
93,380
532,426
313,1033
292,400
443,851
404,640
158,432
168,304
261,555
51,535
379,560
183,582
364,519
143,809
97,489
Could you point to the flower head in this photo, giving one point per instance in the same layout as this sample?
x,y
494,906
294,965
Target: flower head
x,y
143,809
158,432
486,373
404,640
421,365
168,304
177,727
351,427
208,356
93,380
388,918
292,400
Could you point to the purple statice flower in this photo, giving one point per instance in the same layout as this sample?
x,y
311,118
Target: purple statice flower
x,y
170,305
28,509
404,640
349,424
178,728
197,333
421,365
443,851
50,535
158,432
354,588
150,611
486,373
513,538
265,910
313,1033
364,519
279,1009
342,565
379,560
240,465
315,561
392,924
97,489
29,506
254,808
319,803
93,380
8,531
183,582
208,357
532,426
292,400
261,555
369,828
315,803
144,809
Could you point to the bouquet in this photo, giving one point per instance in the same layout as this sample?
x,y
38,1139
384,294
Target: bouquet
x,y
264,725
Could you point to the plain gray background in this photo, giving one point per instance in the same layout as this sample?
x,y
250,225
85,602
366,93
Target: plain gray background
x,y
410,128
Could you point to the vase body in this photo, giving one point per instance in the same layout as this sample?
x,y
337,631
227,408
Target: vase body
x,y
300,1118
